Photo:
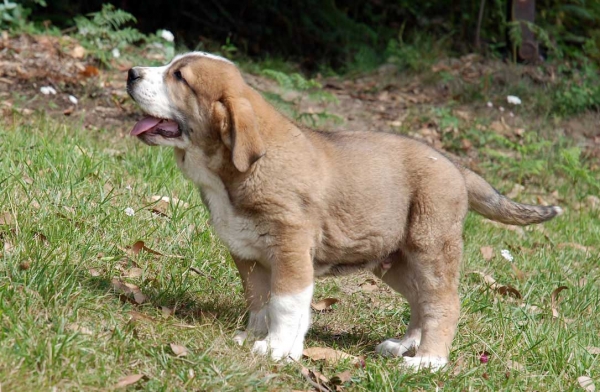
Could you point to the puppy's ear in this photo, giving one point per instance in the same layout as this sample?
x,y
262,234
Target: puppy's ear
x,y
239,132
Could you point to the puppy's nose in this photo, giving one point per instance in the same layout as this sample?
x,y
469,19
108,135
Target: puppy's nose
x,y
133,75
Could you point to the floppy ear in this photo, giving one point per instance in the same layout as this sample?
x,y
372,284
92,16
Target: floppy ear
x,y
242,136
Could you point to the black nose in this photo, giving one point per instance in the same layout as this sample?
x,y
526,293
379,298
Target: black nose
x,y
133,75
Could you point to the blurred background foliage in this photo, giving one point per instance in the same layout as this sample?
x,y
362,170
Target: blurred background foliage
x,y
335,33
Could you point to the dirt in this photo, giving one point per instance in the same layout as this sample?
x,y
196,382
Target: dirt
x,y
384,100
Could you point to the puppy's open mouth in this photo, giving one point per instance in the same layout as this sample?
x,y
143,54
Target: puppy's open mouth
x,y
156,126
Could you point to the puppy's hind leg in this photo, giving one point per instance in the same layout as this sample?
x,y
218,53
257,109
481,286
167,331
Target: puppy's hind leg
x,y
399,277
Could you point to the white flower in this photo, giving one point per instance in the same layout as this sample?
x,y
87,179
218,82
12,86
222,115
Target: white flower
x,y
500,108
128,187
116,53
511,114
167,35
506,254
129,211
513,100
46,90
490,104
73,99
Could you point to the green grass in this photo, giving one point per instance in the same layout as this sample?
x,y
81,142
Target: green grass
x,y
63,193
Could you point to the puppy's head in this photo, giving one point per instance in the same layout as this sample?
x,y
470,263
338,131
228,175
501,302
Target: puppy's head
x,y
197,101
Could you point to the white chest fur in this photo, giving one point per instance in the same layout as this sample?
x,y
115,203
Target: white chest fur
x,y
239,233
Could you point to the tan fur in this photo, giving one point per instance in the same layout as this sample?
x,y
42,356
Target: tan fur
x,y
292,204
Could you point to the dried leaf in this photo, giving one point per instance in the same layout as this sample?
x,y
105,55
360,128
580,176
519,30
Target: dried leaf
x,y
128,380
487,252
593,350
78,328
138,246
90,71
129,290
324,304
316,379
166,312
137,316
515,191
341,378
178,350
369,286
328,355
554,300
586,383
78,52
501,289
94,272
134,273
586,249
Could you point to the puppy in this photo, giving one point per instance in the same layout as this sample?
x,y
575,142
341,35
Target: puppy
x,y
292,204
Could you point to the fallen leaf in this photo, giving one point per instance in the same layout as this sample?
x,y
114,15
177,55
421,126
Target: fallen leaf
x,y
593,350
316,379
166,312
90,71
128,380
494,285
592,201
515,191
520,275
133,273
138,246
554,300
329,355
324,304
25,265
129,290
94,272
586,383
178,350
517,229
487,252
137,316
341,378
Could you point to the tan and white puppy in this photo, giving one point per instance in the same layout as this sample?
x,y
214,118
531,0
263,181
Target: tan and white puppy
x,y
292,204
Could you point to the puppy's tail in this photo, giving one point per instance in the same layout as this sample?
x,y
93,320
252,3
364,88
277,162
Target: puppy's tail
x,y
487,201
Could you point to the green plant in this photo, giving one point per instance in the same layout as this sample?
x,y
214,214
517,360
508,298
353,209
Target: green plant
x,y
104,33
573,165
295,82
15,14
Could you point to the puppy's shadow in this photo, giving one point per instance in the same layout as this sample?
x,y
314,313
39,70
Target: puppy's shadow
x,y
189,307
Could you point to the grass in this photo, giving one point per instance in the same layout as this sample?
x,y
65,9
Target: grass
x,y
63,193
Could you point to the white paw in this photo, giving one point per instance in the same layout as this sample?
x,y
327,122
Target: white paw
x,y
278,350
240,337
434,364
396,347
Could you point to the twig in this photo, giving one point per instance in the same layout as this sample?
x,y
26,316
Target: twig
x,y
479,21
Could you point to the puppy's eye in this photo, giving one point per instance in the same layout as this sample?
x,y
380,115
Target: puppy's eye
x,y
178,75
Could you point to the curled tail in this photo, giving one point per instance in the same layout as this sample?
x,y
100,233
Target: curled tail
x,y
487,201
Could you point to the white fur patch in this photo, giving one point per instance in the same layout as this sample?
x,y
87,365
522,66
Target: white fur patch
x,y
289,320
151,94
239,233
396,347
434,364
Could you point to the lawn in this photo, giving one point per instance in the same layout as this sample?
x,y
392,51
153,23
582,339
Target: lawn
x,y
83,304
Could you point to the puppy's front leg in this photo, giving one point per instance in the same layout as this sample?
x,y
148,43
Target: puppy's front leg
x,y
256,280
289,306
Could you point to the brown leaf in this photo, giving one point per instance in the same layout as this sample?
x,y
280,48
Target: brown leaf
x,y
178,350
514,365
129,290
94,272
554,300
369,286
133,273
137,316
515,191
593,350
128,380
487,252
586,383
316,379
501,289
68,111
78,328
90,71
341,378
520,275
328,355
324,304
138,246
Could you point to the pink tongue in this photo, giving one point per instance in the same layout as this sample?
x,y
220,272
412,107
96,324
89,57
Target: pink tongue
x,y
150,123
